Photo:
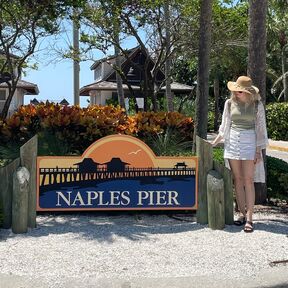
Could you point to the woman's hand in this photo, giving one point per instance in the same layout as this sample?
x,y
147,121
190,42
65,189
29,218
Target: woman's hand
x,y
213,143
258,157
216,140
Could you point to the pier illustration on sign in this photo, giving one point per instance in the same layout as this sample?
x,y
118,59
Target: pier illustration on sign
x,y
88,170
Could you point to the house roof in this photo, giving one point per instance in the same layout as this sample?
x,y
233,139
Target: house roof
x,y
64,102
103,85
34,102
105,59
112,86
178,87
30,88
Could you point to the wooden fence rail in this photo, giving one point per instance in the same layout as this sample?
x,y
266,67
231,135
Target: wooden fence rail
x,y
6,189
28,154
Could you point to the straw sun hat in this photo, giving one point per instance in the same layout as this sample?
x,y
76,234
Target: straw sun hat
x,y
244,84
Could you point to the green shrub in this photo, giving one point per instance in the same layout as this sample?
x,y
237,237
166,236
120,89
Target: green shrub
x,y
277,180
210,124
49,144
218,154
8,153
277,121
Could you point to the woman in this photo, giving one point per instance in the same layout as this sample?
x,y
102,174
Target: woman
x,y
244,131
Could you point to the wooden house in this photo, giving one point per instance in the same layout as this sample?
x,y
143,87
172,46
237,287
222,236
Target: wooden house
x,y
104,86
23,88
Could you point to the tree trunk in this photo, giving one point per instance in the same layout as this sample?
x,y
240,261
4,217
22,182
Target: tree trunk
x,y
257,44
119,79
118,64
284,70
203,70
216,102
169,95
76,58
257,64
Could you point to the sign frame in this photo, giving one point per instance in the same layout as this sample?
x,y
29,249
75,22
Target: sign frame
x,y
61,166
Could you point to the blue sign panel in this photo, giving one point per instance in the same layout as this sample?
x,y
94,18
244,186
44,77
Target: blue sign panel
x,y
117,172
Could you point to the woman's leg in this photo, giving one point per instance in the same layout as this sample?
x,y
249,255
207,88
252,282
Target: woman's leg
x,y
248,168
236,167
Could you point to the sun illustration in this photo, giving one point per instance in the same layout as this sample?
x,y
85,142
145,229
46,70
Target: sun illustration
x,y
128,149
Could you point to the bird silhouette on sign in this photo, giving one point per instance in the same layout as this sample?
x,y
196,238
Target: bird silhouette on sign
x,y
135,152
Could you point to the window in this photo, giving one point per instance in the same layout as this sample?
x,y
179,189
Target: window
x,y
97,73
2,95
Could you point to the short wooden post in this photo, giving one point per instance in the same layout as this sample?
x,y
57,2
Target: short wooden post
x,y
28,156
215,200
20,200
6,191
228,191
204,152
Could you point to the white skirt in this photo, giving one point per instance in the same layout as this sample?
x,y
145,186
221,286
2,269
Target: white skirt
x,y
241,145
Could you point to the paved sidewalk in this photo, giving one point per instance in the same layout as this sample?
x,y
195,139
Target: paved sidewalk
x,y
278,145
269,278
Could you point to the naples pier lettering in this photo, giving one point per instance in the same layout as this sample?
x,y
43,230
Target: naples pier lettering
x,y
116,198
157,198
93,198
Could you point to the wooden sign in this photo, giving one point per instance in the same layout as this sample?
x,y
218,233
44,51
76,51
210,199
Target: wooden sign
x,y
117,172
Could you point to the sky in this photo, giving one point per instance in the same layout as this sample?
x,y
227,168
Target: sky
x,y
55,81
55,78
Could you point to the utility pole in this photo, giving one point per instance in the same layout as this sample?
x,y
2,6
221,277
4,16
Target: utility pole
x,y
76,57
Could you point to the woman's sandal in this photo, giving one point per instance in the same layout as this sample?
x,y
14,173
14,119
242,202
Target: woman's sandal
x,y
240,221
248,228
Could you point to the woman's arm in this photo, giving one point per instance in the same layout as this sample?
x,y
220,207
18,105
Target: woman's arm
x,y
261,130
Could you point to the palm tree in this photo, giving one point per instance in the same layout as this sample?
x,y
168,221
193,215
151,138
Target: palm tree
x,y
203,69
202,94
257,44
257,64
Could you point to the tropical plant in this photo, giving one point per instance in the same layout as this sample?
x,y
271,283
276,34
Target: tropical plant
x,y
169,143
77,128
